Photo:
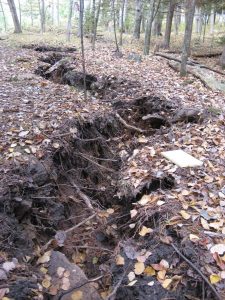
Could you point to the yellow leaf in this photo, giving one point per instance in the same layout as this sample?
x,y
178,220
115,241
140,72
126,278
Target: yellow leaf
x,y
149,271
166,283
120,260
44,258
145,230
77,295
214,278
139,268
44,270
46,283
161,275
193,237
185,215
204,223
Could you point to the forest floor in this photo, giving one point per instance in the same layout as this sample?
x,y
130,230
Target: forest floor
x,y
152,229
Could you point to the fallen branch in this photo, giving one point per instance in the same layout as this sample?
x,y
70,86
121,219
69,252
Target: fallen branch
x,y
131,127
198,271
215,234
218,53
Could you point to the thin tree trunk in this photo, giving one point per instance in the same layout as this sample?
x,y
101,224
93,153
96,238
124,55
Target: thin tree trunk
x,y
212,20
42,14
31,13
82,46
122,23
157,25
57,8
96,24
177,19
114,25
3,14
138,18
20,13
93,19
16,22
189,17
148,29
69,22
169,20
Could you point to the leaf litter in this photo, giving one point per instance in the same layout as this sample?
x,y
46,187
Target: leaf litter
x,y
164,202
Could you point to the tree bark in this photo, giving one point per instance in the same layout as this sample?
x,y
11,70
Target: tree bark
x,y
169,20
157,26
189,17
96,24
222,59
122,22
93,19
42,14
82,46
69,22
15,18
114,26
138,18
177,19
3,15
148,29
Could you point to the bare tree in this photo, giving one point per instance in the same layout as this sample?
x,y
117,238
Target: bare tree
x,y
15,18
122,22
69,21
189,17
82,46
3,15
169,20
148,29
138,19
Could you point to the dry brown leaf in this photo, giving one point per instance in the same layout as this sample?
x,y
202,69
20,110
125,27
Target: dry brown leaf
x,y
194,237
166,283
185,215
161,275
139,268
65,283
149,271
145,230
205,224
120,260
46,283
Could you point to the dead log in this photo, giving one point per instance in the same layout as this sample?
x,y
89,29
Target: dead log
x,y
189,63
209,55
208,79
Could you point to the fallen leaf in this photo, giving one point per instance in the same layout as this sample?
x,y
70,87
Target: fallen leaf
x,y
161,275
205,224
132,283
60,272
139,268
194,238
219,248
144,200
185,215
145,230
65,283
44,258
214,278
133,213
151,283
46,283
160,202
120,260
165,264
77,295
131,276
149,271
166,283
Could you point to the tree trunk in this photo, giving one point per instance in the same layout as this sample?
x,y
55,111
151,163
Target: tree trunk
x,y
122,22
222,59
177,19
148,29
138,18
42,14
96,24
157,25
3,15
189,17
93,19
114,26
69,22
20,13
82,46
169,20
16,22
31,13
212,20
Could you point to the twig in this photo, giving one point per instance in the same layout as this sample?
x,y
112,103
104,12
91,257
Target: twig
x,y
77,287
117,285
79,224
94,248
198,271
129,126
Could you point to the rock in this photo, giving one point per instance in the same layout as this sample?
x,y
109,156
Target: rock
x,y
187,115
135,57
39,171
75,277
